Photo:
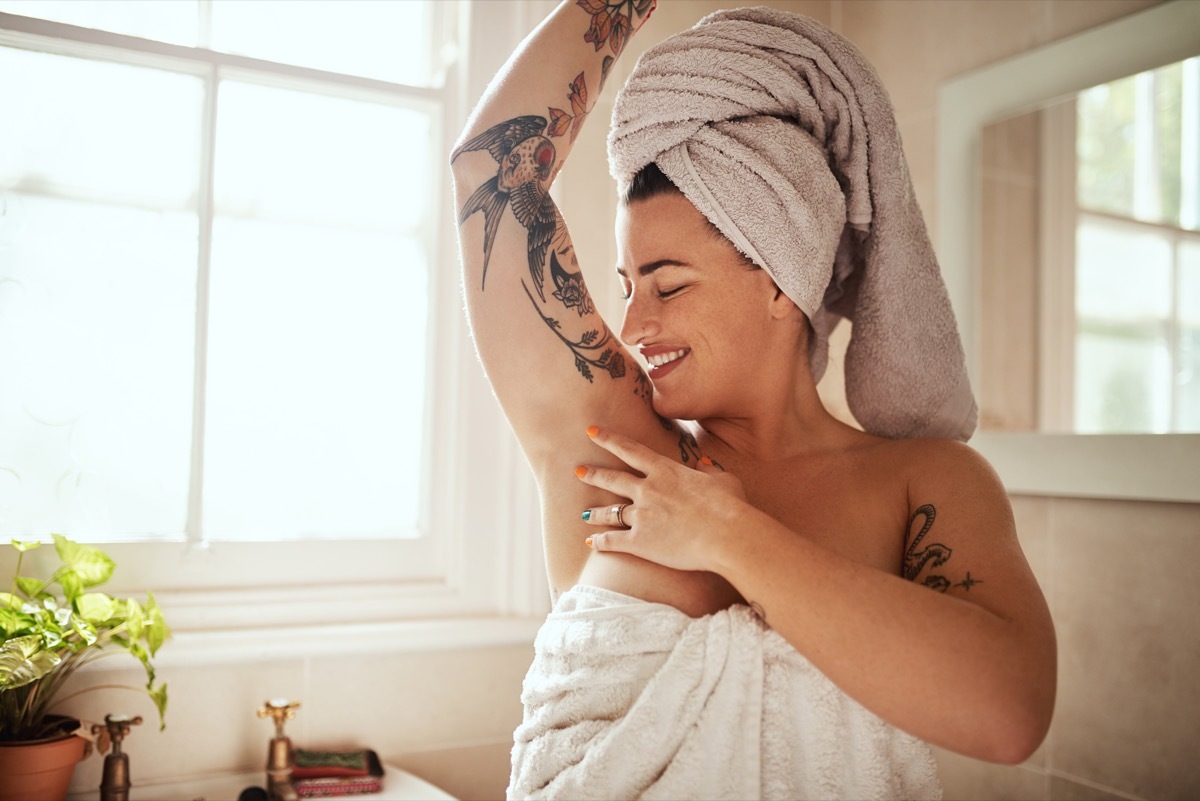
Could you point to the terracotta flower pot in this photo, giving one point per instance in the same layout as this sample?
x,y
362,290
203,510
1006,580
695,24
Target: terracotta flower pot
x,y
39,770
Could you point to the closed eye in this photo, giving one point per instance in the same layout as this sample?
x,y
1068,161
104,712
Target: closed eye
x,y
666,293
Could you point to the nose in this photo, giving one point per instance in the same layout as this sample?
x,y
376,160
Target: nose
x,y
639,321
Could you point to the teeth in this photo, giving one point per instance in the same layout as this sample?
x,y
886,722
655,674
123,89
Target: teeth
x,y
664,358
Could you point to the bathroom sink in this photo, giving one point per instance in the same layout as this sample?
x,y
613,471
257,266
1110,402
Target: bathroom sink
x,y
398,785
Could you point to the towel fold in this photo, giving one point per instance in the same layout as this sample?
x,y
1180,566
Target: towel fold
x,y
781,134
629,699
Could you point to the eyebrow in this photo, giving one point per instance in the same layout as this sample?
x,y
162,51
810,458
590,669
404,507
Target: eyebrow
x,y
647,269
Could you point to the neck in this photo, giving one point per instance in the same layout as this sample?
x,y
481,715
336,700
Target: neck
x,y
793,424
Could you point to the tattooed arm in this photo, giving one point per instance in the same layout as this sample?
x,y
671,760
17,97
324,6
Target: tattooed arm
x,y
554,364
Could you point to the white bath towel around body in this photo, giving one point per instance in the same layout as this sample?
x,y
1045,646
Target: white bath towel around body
x,y
630,699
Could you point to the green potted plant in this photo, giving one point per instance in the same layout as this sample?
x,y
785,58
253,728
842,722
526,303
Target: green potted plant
x,y
52,627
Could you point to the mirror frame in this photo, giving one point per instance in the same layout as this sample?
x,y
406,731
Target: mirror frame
x,y
1153,467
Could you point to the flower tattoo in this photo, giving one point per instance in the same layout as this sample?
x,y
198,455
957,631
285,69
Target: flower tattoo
x,y
561,120
571,290
612,22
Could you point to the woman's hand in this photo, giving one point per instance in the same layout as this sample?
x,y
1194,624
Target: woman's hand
x,y
674,514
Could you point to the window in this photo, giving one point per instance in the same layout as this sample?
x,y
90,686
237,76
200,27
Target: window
x,y
230,344
1137,253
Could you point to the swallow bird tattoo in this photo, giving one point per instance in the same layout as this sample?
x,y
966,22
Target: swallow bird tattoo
x,y
525,158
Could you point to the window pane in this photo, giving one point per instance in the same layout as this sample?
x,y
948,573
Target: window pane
x,y
314,424
1130,136
94,129
96,343
291,156
175,21
98,249
389,41
1105,147
315,383
1122,272
1121,384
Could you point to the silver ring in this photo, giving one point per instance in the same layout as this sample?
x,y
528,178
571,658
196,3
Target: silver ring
x,y
617,510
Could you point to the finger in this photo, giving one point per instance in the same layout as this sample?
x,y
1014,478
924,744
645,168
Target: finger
x,y
617,482
629,451
609,515
621,540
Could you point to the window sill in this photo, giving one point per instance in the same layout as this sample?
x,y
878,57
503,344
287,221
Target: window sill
x,y
201,648
1147,467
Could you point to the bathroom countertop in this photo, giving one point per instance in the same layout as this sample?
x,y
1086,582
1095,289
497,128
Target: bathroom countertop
x,y
398,785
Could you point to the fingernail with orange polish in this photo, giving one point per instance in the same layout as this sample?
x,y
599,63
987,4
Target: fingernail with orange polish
x,y
706,460
593,431
580,471
588,542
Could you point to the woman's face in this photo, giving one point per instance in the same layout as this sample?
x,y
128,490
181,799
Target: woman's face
x,y
707,323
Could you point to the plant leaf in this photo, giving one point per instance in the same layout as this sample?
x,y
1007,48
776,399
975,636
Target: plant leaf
x,y
95,607
23,661
85,630
10,601
135,618
159,696
13,620
24,546
157,631
71,584
91,565
30,586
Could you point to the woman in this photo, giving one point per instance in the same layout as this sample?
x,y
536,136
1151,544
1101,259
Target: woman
x,y
751,597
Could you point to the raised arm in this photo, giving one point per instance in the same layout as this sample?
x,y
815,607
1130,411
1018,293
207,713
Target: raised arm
x,y
555,366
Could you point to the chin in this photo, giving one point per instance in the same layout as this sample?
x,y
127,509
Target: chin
x,y
675,407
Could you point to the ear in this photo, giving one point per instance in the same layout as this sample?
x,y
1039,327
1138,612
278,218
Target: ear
x,y
782,306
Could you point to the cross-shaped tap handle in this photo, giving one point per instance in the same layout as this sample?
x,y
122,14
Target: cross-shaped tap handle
x,y
117,727
279,710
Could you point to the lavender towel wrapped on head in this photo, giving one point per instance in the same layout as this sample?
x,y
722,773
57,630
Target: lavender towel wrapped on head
x,y
781,134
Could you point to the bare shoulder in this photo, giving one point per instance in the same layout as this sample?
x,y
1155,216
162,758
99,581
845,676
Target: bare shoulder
x,y
943,465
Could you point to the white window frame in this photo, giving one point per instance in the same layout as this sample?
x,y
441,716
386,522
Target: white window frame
x,y
480,554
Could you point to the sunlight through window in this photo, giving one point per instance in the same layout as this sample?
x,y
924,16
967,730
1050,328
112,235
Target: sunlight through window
x,y
215,276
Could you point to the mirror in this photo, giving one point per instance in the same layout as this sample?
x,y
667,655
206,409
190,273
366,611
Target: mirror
x,y
1029,458
1090,260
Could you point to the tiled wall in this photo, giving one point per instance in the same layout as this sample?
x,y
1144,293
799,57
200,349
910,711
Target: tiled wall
x,y
447,716
1118,578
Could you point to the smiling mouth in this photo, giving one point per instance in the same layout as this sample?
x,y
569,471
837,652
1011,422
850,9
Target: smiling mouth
x,y
663,362
659,359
